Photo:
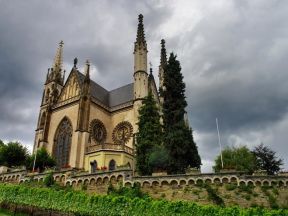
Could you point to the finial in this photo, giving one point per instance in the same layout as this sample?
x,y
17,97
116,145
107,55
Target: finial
x,y
75,62
140,31
163,58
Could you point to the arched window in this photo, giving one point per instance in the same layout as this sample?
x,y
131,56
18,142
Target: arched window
x,y
42,120
112,165
62,145
93,166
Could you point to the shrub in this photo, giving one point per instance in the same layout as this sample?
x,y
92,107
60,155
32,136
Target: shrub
x,y
49,180
230,187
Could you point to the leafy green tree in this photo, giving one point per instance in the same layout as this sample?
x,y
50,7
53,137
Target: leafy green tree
x,y
1,143
13,154
149,135
238,158
266,159
178,138
43,160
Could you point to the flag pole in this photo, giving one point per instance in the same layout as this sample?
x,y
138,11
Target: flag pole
x,y
34,162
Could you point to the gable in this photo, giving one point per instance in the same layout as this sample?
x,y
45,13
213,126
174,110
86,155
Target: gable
x,y
71,88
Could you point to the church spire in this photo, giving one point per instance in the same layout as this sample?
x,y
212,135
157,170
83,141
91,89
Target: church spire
x,y
58,57
163,59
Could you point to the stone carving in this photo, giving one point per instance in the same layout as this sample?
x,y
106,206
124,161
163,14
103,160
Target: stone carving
x,y
122,133
98,131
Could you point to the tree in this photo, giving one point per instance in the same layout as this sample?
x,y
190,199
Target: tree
x,y
149,135
238,158
13,154
178,138
43,160
266,159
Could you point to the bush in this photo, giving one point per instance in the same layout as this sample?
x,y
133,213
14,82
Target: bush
x,y
230,187
212,195
49,180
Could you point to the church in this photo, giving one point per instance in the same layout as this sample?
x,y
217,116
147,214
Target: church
x,y
83,125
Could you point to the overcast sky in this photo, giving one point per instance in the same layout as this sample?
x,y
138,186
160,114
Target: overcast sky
x,y
233,53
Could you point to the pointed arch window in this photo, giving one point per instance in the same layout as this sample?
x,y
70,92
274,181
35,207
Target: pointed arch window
x,y
42,120
62,145
112,165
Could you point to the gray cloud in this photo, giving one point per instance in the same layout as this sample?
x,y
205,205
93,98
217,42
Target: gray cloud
x,y
233,56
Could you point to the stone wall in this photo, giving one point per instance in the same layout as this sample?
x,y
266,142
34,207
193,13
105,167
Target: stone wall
x,y
173,187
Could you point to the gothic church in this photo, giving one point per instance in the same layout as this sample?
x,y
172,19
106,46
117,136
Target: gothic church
x,y
83,125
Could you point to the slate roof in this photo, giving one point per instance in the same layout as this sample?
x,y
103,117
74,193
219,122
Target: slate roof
x,y
111,98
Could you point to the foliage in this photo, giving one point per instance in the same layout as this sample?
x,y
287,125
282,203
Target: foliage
x,y
79,203
158,159
212,195
178,138
49,180
230,187
13,154
43,160
238,158
266,159
132,192
149,135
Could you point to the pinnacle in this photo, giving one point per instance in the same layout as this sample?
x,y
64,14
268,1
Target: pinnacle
x,y
140,31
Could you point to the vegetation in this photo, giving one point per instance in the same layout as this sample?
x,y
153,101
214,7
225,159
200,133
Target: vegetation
x,y
43,160
80,203
267,160
178,139
212,195
13,154
49,180
149,135
238,158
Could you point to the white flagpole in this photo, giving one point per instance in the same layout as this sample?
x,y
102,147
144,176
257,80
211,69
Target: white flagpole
x,y
219,140
34,161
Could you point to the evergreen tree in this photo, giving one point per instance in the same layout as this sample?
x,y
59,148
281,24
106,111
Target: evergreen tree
x,y
266,159
149,134
178,138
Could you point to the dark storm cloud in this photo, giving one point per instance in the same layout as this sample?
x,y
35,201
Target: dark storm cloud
x,y
233,56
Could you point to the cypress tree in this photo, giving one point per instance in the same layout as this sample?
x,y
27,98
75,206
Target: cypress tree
x,y
178,138
149,134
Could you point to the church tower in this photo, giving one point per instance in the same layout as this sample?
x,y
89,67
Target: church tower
x,y
52,88
140,68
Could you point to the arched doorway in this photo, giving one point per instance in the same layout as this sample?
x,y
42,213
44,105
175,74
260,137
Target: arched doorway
x,y
62,143
93,166
112,165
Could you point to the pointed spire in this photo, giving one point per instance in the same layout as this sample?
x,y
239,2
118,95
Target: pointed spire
x,y
140,31
58,57
163,59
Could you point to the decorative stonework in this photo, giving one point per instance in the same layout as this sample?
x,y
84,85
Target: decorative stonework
x,y
98,131
122,132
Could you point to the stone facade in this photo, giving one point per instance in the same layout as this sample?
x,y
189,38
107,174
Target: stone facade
x,y
85,126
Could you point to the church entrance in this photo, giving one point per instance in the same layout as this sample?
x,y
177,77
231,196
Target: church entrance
x,y
62,144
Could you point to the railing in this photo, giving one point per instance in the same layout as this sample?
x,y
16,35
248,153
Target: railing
x,y
109,146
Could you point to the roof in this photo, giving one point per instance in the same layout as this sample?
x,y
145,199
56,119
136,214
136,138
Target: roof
x,y
111,98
